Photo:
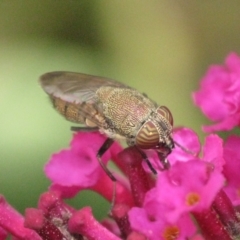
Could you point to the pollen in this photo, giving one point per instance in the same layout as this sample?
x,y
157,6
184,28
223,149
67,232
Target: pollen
x,y
192,198
171,233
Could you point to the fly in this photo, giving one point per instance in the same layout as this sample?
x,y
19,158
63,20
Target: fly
x,y
115,109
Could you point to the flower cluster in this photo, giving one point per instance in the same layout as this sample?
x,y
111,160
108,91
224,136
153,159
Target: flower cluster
x,y
219,95
197,198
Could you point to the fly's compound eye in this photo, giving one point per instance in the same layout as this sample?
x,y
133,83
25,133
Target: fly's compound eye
x,y
148,136
165,112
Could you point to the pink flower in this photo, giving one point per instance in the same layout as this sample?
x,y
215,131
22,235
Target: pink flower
x,y
188,140
77,168
160,228
189,186
232,168
219,95
212,150
145,207
54,219
82,222
187,201
12,222
185,188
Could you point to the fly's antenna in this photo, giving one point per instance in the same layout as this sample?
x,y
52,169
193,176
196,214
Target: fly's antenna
x,y
184,149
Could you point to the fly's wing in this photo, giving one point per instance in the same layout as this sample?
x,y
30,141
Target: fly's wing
x,y
78,88
75,87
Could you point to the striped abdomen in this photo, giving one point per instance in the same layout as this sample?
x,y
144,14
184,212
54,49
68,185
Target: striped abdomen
x,y
84,112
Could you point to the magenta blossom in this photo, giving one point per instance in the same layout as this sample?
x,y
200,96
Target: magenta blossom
x,y
77,168
188,140
185,202
197,198
161,229
219,95
231,170
190,186
65,169
190,148
161,208
12,222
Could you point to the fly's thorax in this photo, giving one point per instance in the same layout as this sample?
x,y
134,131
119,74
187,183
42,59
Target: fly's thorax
x,y
125,109
156,131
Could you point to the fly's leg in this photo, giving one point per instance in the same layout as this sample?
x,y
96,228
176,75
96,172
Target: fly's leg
x,y
145,158
106,145
84,129
164,161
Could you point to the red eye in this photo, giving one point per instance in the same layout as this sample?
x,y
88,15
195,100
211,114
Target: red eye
x,y
165,112
148,136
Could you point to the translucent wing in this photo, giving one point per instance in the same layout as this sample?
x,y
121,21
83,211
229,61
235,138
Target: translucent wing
x,y
75,87
74,96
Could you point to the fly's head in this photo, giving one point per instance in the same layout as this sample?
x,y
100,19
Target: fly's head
x,y
156,132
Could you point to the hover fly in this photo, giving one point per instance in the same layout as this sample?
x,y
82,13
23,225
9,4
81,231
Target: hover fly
x,y
113,108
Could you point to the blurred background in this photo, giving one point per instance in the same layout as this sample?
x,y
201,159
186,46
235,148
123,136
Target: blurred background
x,y
162,48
